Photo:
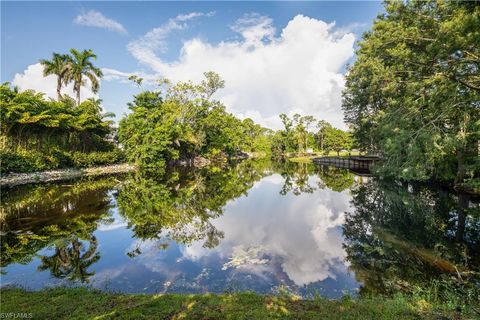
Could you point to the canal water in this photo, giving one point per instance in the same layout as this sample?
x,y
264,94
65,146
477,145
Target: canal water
x,y
255,225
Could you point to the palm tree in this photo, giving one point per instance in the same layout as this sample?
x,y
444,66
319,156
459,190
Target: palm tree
x,y
57,66
80,65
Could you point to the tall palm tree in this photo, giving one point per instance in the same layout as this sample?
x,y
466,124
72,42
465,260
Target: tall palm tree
x,y
57,66
80,66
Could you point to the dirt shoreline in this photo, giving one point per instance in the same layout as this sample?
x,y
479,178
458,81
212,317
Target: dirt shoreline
x,y
15,179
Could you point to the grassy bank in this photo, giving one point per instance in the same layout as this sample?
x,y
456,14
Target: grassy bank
x,y
82,303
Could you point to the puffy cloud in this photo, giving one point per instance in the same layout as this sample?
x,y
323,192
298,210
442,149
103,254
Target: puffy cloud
x,y
144,49
254,28
32,79
112,74
297,71
96,19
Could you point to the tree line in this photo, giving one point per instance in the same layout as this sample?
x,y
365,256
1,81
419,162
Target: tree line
x,y
181,121
171,123
305,133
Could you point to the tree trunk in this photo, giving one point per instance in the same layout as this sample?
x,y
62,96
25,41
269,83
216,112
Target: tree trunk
x,y
76,87
78,96
59,88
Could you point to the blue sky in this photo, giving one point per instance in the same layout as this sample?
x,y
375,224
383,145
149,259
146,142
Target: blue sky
x,y
214,35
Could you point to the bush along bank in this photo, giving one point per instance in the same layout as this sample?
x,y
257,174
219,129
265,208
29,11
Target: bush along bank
x,y
26,162
39,134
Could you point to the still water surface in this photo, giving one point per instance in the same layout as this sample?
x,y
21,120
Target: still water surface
x,y
255,225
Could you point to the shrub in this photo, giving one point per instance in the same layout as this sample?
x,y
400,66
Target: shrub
x,y
91,159
14,162
30,161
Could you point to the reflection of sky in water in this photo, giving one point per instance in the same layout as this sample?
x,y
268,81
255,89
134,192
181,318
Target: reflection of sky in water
x,y
270,241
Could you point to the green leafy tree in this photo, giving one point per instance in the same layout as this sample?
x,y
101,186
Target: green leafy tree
x,y
322,127
336,139
179,122
302,125
296,134
412,94
287,136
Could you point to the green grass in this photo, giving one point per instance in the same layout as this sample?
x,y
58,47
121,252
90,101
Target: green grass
x,y
84,303
308,159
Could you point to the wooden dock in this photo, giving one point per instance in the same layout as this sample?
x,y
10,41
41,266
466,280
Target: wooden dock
x,y
359,164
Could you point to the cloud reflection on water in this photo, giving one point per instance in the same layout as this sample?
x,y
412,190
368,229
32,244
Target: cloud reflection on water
x,y
301,234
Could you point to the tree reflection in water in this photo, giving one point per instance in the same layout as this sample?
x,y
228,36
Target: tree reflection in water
x,y
180,205
396,237
298,178
406,237
70,261
58,215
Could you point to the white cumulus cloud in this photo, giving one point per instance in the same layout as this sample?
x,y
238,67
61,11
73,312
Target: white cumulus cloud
x,y
145,48
298,70
112,74
254,28
32,79
96,19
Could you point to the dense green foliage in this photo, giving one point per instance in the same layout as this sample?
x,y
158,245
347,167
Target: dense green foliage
x,y
39,134
299,135
97,158
413,93
183,122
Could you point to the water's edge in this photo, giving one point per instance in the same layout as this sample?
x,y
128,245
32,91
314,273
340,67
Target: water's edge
x,y
15,179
